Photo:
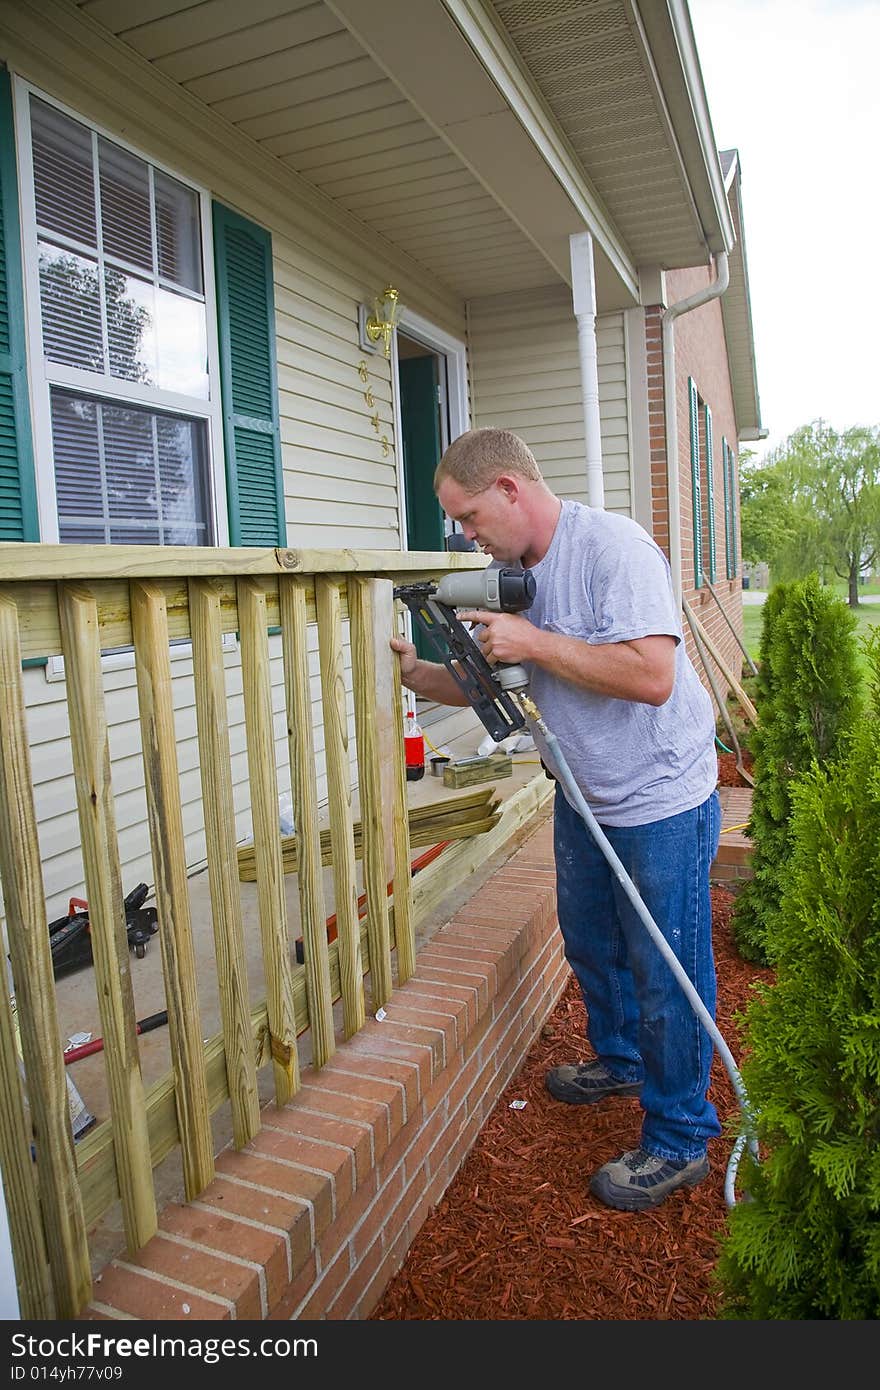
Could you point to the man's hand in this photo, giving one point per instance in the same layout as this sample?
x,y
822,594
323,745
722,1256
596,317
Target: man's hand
x,y
505,637
408,657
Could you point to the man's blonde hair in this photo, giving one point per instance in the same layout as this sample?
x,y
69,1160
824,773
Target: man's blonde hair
x,y
476,458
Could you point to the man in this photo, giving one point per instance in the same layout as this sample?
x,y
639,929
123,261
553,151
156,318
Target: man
x,y
610,676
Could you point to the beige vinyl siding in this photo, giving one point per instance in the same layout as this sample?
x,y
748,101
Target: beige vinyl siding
x,y
525,376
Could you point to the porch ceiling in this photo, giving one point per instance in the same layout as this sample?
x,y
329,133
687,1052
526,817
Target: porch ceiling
x,y
387,107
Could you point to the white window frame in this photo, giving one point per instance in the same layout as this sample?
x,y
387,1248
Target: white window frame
x,y
42,376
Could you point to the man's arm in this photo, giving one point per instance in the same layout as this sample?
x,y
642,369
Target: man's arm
x,y
428,678
642,670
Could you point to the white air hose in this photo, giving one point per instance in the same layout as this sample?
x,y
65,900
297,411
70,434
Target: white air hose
x,y
746,1135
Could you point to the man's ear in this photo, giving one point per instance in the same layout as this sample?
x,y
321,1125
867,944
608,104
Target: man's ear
x,y
509,485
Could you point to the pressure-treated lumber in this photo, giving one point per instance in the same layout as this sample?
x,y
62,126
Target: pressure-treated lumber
x,y
748,707
162,780
103,878
97,1170
42,567
472,770
328,603
428,825
369,601
292,596
226,915
25,908
267,848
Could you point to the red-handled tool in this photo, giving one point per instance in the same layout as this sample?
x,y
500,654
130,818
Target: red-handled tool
x,y
146,1025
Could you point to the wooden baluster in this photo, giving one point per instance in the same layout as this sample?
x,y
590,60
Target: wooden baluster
x,y
64,1243
329,608
215,766
149,625
404,928
370,608
292,594
90,746
267,839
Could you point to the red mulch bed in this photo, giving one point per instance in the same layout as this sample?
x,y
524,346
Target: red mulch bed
x,y
517,1234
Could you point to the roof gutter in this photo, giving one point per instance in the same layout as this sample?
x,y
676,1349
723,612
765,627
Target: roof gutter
x,y
714,290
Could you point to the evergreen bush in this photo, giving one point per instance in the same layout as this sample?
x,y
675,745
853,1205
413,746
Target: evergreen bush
x,y
806,1241
807,700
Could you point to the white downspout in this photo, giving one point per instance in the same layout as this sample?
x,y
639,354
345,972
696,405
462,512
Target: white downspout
x,y
684,306
583,286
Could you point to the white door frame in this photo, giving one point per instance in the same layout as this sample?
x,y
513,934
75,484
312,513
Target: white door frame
x,y
455,353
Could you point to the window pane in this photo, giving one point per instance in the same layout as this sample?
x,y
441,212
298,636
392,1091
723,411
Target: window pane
x,y
183,480
63,182
128,475
130,460
125,205
131,336
178,233
77,456
71,308
182,345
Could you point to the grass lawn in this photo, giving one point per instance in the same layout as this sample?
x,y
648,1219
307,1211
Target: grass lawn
x,y
868,615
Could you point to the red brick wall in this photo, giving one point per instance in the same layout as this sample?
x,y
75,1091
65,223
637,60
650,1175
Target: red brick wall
x,y
700,353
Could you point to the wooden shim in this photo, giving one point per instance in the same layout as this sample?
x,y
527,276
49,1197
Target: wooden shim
x,y
427,826
328,602
367,598
748,707
103,878
162,777
219,810
267,844
30,953
310,877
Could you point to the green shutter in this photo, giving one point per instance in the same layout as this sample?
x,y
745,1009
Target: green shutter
x,y
18,493
696,486
710,490
729,545
246,310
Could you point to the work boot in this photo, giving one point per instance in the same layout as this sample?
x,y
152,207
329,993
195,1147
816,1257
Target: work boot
x,y
586,1083
638,1179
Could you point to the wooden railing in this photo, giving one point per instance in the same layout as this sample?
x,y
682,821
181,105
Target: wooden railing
x,y
78,602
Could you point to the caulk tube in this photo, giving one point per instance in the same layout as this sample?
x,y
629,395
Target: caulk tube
x,y
566,777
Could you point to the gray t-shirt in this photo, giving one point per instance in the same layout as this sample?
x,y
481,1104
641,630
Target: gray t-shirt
x,y
605,580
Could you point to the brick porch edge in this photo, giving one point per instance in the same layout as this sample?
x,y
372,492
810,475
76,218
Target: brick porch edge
x,y
313,1218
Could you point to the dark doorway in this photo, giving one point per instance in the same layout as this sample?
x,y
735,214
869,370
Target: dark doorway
x,y
424,433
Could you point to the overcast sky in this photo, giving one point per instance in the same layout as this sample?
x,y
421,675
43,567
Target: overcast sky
x,y
794,85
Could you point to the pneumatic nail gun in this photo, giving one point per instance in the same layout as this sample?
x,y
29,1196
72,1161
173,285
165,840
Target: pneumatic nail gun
x,y
433,606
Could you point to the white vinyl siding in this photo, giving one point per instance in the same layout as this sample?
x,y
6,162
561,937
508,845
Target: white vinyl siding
x,y
525,376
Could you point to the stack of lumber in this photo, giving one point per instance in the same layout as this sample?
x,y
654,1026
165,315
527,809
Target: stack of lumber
x,y
452,819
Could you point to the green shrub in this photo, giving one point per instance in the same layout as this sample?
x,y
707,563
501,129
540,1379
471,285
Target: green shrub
x,y
807,700
806,1244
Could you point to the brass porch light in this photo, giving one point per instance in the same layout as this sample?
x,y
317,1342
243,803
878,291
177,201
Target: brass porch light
x,y
378,325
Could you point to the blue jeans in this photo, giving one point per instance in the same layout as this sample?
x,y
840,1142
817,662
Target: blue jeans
x,y
639,1021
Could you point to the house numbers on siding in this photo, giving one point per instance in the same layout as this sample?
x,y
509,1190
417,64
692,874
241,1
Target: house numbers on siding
x,y
371,402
